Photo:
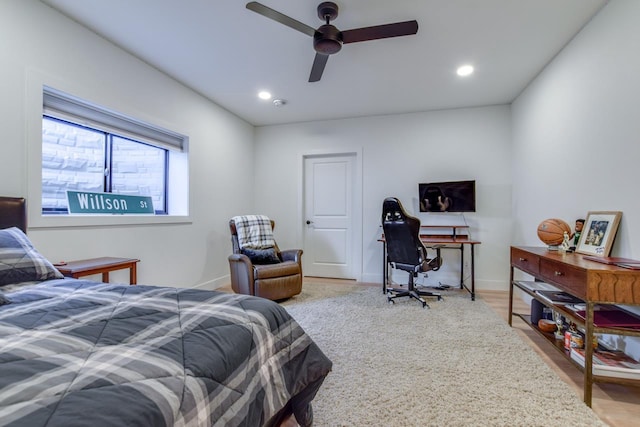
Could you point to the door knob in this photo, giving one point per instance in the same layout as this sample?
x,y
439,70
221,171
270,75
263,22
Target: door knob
x,y
309,222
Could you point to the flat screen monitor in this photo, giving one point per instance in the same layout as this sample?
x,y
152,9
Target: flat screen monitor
x,y
451,196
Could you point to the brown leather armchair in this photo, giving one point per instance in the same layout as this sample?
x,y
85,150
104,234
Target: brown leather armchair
x,y
272,281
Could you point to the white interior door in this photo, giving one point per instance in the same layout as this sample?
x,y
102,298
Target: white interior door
x,y
328,208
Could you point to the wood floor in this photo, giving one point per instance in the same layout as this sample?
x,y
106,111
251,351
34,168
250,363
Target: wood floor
x,y
616,405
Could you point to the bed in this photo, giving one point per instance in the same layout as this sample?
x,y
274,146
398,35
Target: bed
x,y
76,352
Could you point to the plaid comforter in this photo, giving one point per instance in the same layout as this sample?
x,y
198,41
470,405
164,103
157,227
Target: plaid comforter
x,y
79,353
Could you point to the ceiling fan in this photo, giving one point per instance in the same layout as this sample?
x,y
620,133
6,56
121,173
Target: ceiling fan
x,y
327,39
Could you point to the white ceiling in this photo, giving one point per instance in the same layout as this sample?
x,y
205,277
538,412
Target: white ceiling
x,y
228,53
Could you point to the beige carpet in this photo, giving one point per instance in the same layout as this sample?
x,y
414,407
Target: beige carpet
x,y
455,364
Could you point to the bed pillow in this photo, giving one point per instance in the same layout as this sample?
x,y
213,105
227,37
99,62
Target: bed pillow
x,y
261,256
20,261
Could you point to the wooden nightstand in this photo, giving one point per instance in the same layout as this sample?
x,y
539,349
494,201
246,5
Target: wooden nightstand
x,y
87,267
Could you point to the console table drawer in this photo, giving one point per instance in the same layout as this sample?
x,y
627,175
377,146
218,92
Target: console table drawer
x,y
570,279
525,261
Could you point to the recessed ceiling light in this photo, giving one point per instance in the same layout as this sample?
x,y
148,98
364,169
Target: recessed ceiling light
x,y
264,95
465,70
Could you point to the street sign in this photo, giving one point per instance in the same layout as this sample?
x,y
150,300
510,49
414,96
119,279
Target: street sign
x,y
84,202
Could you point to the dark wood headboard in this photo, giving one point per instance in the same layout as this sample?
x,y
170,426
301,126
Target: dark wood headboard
x,y
13,213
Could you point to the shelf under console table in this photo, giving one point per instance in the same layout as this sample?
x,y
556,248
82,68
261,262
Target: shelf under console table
x,y
593,282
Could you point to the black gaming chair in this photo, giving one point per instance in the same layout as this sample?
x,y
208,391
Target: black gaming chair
x,y
405,251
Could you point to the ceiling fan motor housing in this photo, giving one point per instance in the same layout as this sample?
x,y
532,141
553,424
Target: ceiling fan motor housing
x,y
327,11
327,40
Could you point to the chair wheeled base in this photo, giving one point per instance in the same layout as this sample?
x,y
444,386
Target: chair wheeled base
x,y
411,292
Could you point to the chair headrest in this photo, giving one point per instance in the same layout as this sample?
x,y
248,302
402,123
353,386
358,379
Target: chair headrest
x,y
393,211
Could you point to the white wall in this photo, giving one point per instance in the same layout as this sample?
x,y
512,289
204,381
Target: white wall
x,y
398,152
576,128
573,149
576,134
35,40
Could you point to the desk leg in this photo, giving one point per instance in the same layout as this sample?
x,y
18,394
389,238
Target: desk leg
x,y
473,275
471,290
105,277
461,266
385,268
133,274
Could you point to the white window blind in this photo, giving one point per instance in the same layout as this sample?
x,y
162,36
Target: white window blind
x,y
67,107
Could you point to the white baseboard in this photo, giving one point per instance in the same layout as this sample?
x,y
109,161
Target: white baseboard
x,y
214,284
448,279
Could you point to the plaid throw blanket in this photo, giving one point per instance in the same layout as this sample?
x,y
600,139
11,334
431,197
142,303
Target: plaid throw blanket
x,y
254,231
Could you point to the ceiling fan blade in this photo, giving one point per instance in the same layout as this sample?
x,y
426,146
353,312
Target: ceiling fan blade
x,y
406,28
281,18
318,67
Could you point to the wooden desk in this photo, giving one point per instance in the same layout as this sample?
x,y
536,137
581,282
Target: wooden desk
x,y
104,265
593,282
446,241
459,242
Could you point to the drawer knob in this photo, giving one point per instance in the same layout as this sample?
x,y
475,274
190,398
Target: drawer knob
x,y
523,259
558,273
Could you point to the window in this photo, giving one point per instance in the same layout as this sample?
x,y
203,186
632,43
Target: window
x,y
88,148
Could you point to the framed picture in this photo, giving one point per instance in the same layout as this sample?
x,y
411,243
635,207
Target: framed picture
x,y
598,233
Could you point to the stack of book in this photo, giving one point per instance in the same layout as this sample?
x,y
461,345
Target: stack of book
x,y
609,363
632,264
534,286
559,297
612,317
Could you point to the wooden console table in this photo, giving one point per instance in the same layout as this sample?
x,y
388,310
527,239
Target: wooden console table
x,y
452,240
104,265
593,282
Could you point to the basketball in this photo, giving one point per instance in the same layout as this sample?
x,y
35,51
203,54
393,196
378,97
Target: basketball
x,y
551,231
